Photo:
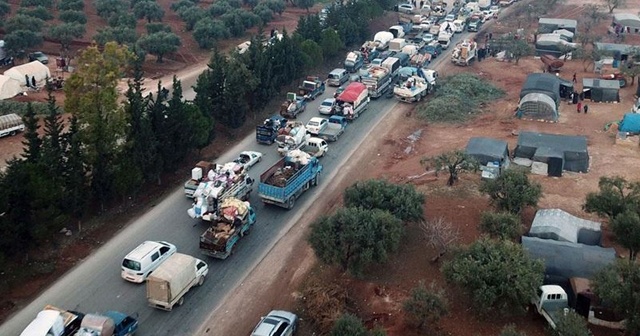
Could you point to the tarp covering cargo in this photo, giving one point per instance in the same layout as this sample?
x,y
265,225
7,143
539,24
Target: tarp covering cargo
x,y
601,90
567,260
9,87
486,150
537,106
172,277
31,69
574,148
630,123
354,93
560,225
627,20
93,325
10,120
542,83
548,25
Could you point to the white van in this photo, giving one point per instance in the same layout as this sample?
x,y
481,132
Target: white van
x,y
337,77
144,259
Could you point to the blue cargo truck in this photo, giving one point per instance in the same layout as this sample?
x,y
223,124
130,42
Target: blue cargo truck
x,y
286,180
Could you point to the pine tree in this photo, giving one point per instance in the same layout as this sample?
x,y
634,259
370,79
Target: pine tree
x,y
32,141
75,173
52,142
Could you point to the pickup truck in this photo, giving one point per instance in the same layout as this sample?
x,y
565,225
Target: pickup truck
x,y
268,131
335,127
168,284
315,147
551,302
52,321
293,106
236,219
10,124
111,323
311,88
287,179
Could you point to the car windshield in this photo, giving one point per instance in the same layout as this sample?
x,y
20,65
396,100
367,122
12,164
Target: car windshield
x,y
327,103
130,264
313,123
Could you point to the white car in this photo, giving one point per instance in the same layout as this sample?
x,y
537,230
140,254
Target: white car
x,y
406,8
144,259
316,125
449,18
248,159
327,106
428,38
277,323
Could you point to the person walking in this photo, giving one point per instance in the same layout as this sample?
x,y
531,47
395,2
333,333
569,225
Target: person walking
x,y
586,108
575,80
579,107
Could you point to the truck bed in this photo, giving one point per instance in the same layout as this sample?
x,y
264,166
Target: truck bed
x,y
279,187
331,132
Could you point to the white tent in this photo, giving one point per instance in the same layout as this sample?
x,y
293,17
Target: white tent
x,y
9,87
562,226
32,69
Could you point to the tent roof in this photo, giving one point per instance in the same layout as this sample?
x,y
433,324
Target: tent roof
x,y
561,142
569,260
600,83
538,98
560,223
621,48
35,69
630,123
560,22
542,83
627,19
9,87
489,147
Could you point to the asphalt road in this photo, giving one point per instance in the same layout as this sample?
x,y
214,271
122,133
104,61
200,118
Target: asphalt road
x,y
95,284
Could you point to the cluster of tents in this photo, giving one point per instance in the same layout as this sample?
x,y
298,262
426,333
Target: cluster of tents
x,y
14,81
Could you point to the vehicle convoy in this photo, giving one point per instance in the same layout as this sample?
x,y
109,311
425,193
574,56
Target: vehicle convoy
x,y
416,86
248,159
144,259
293,106
52,321
268,131
444,39
464,52
10,124
225,181
380,41
353,101
288,178
327,106
354,61
291,137
335,127
311,88
475,22
397,44
316,147
393,65
377,79
235,219
168,284
111,323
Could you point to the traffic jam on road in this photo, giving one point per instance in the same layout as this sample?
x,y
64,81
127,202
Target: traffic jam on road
x,y
394,64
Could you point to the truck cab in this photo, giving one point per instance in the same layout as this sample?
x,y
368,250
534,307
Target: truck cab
x,y
551,302
268,131
315,147
52,321
311,88
354,61
474,24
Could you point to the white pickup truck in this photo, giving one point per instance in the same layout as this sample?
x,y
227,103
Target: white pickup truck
x,y
10,124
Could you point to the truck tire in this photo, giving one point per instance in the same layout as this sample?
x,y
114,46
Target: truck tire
x,y
181,301
291,203
12,133
200,281
314,182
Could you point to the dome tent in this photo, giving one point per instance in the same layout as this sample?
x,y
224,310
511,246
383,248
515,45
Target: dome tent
x,y
9,87
560,225
537,106
31,69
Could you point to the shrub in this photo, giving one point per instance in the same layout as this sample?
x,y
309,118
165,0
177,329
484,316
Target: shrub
x,y
20,108
70,16
76,5
39,12
503,225
34,3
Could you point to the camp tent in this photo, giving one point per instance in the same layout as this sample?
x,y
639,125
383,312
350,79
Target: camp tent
x,y
560,225
542,83
630,123
601,90
542,146
537,106
553,44
486,150
548,25
31,69
9,87
567,260
630,23
566,88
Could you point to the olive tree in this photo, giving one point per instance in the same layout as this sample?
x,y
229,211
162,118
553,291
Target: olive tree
x,y
149,10
159,44
503,225
402,201
512,191
354,238
453,162
618,285
426,305
615,196
499,275
571,324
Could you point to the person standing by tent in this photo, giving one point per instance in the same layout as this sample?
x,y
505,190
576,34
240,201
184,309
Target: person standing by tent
x,y
579,107
33,81
575,80
26,78
586,108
